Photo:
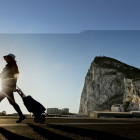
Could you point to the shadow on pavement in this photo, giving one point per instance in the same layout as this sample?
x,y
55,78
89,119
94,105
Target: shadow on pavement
x,y
12,136
99,135
47,134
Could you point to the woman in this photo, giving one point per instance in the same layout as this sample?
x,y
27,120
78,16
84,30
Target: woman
x,y
9,77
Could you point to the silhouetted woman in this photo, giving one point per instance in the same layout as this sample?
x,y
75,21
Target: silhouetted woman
x,y
9,77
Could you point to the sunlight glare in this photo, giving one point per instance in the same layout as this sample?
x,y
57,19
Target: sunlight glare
x,y
16,75
0,85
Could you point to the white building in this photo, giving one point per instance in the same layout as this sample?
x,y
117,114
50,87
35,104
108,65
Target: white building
x,y
57,111
60,111
117,108
65,110
52,110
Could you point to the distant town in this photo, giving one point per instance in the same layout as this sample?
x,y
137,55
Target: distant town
x,y
50,112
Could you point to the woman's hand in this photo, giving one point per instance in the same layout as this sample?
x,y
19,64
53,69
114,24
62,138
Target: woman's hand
x,y
14,90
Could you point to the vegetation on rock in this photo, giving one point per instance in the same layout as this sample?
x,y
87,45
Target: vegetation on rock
x,y
126,104
111,63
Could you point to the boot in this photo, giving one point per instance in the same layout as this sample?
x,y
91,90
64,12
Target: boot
x,y
23,117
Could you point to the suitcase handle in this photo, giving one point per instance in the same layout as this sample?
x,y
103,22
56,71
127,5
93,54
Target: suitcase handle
x,y
20,92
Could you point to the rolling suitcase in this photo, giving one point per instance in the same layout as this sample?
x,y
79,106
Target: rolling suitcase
x,y
33,106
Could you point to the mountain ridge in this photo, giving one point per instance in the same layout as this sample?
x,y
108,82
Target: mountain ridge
x,y
107,82
111,63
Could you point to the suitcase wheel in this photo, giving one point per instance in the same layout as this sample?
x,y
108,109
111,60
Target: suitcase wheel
x,y
42,118
36,119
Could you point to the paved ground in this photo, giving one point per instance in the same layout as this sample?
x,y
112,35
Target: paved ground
x,y
69,129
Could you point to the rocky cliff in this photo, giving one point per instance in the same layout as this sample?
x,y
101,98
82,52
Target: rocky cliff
x,y
110,82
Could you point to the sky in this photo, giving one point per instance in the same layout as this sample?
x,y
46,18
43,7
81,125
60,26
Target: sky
x,y
56,41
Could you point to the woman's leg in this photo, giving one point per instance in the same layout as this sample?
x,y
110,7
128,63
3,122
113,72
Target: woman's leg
x,y
11,100
2,96
9,94
10,97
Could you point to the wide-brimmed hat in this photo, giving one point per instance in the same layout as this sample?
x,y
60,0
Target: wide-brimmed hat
x,y
11,55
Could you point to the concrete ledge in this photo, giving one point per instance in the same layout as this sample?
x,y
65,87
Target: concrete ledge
x,y
98,114
135,113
